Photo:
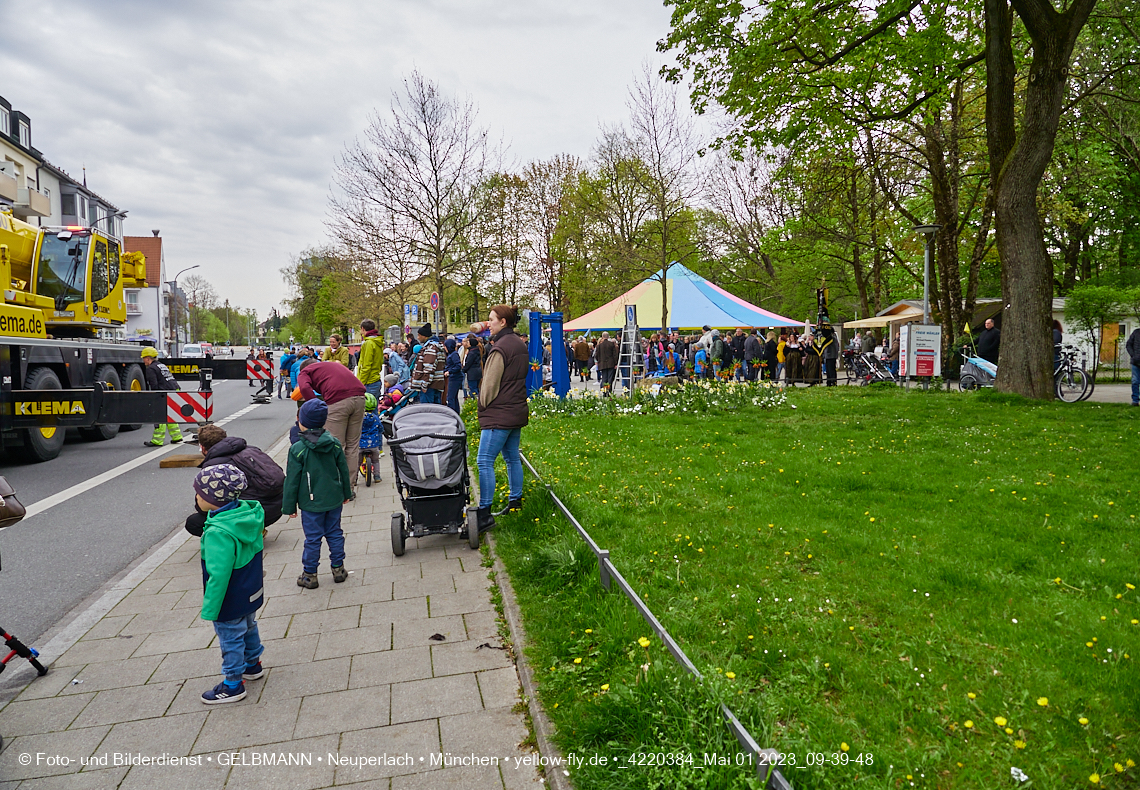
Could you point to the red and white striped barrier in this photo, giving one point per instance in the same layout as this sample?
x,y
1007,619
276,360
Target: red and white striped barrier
x,y
258,370
189,407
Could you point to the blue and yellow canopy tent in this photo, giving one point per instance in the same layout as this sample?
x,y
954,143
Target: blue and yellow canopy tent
x,y
693,302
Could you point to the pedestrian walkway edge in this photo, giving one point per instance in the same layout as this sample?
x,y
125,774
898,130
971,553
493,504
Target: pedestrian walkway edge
x,y
543,727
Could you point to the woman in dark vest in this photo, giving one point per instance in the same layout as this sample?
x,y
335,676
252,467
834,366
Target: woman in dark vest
x,y
502,410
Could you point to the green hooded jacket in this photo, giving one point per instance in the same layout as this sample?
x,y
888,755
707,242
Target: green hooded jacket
x,y
316,477
231,539
370,362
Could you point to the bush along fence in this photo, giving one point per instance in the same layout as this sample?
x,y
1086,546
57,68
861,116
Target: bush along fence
x,y
764,759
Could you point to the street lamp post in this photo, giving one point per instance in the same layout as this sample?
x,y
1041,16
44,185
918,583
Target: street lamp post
x,y
174,295
928,231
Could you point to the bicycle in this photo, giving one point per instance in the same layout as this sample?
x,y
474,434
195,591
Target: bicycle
x,y
368,470
1071,381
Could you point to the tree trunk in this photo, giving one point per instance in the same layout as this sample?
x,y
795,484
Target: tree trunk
x,y
1017,163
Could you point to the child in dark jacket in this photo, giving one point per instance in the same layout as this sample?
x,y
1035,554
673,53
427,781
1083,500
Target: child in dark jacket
x,y
231,547
317,482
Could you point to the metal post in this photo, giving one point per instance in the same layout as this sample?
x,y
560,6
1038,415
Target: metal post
x,y
928,231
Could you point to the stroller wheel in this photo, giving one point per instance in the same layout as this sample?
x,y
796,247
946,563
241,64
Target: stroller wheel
x,y
398,534
473,527
967,383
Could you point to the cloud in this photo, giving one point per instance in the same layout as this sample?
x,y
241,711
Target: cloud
x,y
219,123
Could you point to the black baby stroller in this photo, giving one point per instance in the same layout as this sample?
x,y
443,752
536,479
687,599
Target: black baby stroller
x,y
429,452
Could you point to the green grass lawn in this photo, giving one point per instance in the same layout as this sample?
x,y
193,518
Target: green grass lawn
x,y
942,585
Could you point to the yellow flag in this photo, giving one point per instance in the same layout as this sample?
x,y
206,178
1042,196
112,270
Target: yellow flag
x,y
967,328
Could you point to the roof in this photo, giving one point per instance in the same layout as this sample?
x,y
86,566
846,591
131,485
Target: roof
x,y
693,302
151,247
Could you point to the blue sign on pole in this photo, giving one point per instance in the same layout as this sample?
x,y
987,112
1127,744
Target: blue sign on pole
x,y
415,312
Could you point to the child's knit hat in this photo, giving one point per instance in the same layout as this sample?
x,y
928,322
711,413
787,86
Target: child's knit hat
x,y
313,414
220,484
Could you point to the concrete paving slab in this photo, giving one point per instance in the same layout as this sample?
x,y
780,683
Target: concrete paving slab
x,y
481,625
96,650
499,687
112,675
470,656
163,642
87,780
344,711
273,627
188,664
415,740
143,602
42,715
247,774
166,734
486,732
324,621
108,627
459,603
49,685
302,680
307,601
149,622
463,778
393,611
359,594
392,666
238,725
71,744
418,588
354,641
417,633
207,776
415,700
291,650
128,704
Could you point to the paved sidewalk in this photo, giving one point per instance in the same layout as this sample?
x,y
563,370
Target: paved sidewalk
x,y
353,671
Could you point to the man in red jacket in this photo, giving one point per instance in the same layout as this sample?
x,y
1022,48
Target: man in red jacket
x,y
343,393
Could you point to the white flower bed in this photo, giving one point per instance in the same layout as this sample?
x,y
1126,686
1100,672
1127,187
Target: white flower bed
x,y
693,397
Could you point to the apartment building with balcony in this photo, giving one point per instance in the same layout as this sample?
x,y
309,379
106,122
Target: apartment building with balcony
x,y
40,193
155,313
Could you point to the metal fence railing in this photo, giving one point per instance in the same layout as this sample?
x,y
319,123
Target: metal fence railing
x,y
763,759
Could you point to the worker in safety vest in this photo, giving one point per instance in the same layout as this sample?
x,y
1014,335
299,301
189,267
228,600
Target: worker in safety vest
x,y
159,377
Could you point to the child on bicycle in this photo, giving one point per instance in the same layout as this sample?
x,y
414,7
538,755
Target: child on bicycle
x,y
371,439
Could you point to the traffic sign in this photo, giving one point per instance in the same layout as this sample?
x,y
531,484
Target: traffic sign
x,y
407,309
415,312
407,329
434,301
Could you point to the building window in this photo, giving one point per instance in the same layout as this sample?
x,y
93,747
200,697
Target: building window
x,y
5,121
67,205
25,135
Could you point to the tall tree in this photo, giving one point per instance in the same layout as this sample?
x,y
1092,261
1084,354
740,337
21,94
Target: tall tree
x,y
417,170
549,184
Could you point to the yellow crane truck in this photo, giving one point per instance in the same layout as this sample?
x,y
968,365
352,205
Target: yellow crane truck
x,y
61,286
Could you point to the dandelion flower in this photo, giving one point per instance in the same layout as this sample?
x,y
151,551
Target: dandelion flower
x,y
641,640
1008,731
605,687
1000,721
1019,744
1043,702
969,725
844,747
1118,768
730,675
971,695
577,661
1094,779
1082,721
589,630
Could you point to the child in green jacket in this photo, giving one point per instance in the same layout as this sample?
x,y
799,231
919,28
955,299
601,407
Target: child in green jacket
x,y
317,482
231,547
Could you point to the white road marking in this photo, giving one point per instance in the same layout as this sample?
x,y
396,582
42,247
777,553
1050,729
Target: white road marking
x,y
80,488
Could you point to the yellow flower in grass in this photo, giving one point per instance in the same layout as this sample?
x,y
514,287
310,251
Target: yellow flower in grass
x,y
1043,702
1019,744
641,640
605,687
971,695
1094,779
1000,721
1118,768
844,747
730,675
1082,721
577,661
589,630
969,725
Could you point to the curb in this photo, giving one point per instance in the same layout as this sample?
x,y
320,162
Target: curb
x,y
543,728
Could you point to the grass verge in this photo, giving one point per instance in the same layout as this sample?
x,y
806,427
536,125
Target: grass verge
x,y
919,587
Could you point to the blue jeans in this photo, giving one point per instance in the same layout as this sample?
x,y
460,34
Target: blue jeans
x,y
492,442
240,643
317,526
430,396
374,388
454,384
1136,384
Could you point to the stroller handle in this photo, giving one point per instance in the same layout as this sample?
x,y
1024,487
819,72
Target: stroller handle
x,y
445,437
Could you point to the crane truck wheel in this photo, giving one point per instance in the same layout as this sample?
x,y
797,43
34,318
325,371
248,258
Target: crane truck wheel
x,y
107,375
42,444
132,380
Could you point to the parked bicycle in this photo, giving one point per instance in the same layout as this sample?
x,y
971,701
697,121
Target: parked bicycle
x,y
1072,382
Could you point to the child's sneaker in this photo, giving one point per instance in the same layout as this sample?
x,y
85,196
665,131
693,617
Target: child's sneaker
x,y
308,581
339,574
222,693
253,672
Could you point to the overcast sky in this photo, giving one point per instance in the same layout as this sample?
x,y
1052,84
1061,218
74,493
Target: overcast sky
x,y
219,123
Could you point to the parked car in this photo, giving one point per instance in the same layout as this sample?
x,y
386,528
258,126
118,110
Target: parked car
x,y
193,350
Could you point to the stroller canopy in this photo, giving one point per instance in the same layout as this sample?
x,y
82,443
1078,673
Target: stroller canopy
x,y
422,459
